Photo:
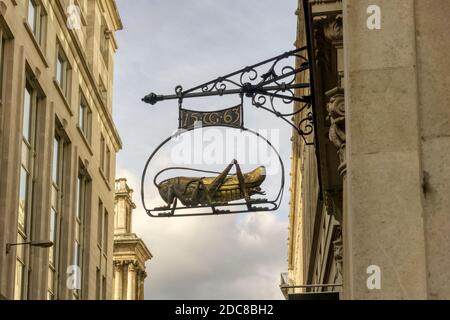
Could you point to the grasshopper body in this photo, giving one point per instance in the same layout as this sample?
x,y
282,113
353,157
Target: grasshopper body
x,y
211,191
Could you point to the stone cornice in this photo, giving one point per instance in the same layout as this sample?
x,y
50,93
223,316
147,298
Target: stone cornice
x,y
135,243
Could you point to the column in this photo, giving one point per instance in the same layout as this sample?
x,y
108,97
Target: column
x,y
141,285
384,222
118,280
131,285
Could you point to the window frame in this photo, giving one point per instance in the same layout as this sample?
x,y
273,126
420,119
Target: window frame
x,y
38,27
101,209
85,118
56,208
63,78
102,152
81,209
107,162
105,159
105,233
27,166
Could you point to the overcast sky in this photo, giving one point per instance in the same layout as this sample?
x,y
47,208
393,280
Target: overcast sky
x,y
169,42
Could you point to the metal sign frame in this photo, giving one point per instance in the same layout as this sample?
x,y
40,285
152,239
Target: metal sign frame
x,y
276,84
225,208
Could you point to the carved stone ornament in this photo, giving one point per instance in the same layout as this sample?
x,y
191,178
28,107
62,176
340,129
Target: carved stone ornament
x,y
118,264
331,26
336,117
132,266
333,204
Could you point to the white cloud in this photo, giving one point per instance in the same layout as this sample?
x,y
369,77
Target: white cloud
x,y
170,42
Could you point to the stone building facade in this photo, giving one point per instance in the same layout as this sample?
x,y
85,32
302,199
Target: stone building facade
x,y
369,200
57,148
130,252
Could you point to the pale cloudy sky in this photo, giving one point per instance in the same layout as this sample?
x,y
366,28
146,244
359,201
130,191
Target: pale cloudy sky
x,y
188,42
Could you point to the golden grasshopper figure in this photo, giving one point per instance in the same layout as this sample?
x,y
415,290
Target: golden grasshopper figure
x,y
213,191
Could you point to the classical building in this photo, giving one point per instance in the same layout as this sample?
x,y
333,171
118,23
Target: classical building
x,y
369,214
57,148
130,252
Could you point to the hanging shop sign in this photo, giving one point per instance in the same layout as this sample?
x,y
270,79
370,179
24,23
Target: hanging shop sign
x,y
232,191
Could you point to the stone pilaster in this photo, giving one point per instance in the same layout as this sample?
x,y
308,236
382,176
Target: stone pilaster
x,y
131,283
384,219
118,280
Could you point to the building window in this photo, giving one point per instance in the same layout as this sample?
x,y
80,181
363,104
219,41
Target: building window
x,y
105,159
63,72
36,20
81,211
32,12
20,269
108,164
102,228
100,223
102,152
55,211
24,214
105,232
85,118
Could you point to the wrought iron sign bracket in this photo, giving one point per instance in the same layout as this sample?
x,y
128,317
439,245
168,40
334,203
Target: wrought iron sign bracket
x,y
267,84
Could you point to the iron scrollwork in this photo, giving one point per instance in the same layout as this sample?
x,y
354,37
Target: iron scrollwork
x,y
269,84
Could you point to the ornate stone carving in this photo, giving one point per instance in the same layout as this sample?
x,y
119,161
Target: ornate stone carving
x,y
333,28
118,265
333,204
132,265
328,44
331,25
336,116
322,49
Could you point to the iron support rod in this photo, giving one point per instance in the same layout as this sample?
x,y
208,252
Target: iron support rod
x,y
261,90
286,54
